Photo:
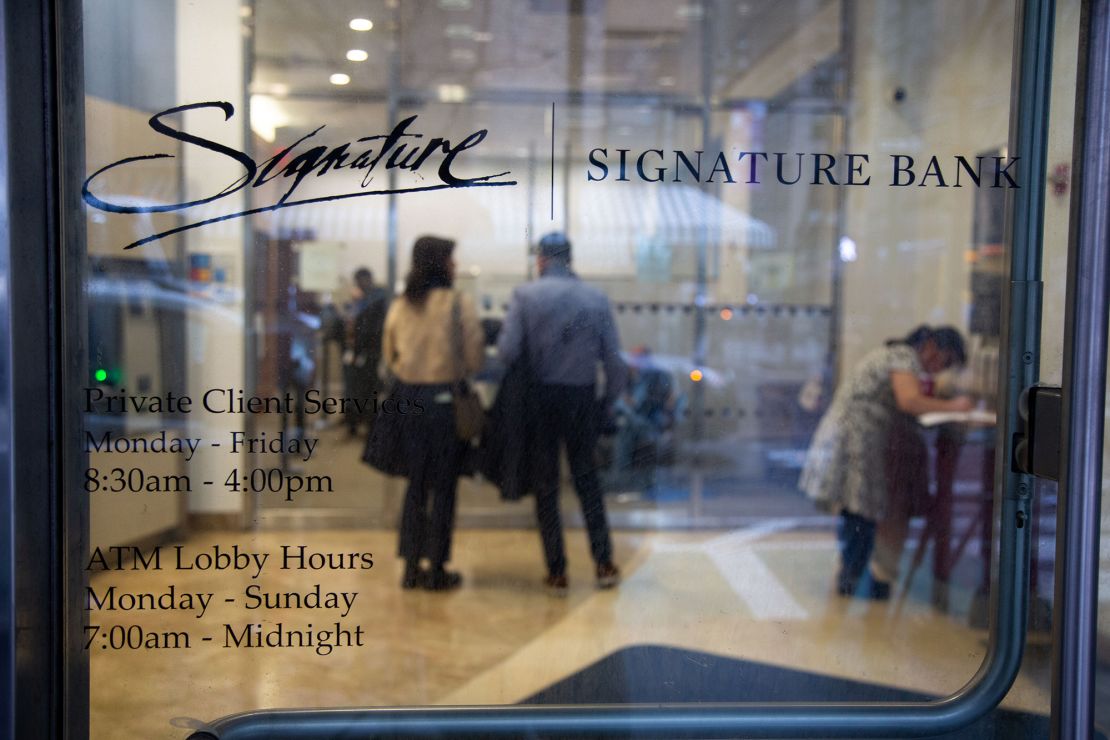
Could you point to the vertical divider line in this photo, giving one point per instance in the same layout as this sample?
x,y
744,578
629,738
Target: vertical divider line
x,y
552,160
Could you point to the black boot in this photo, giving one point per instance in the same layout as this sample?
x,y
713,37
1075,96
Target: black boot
x,y
413,575
439,579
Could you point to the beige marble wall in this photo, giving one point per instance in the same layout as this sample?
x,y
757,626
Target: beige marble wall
x,y
952,59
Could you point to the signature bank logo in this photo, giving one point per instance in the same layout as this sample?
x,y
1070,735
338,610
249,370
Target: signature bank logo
x,y
400,149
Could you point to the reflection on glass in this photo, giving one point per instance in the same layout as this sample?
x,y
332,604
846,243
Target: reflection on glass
x,y
732,178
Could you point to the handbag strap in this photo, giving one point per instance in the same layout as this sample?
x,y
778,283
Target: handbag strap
x,y
457,339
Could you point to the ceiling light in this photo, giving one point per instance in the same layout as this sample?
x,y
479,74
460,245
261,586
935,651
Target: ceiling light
x,y
357,55
339,78
848,251
452,93
689,11
458,31
361,24
267,116
481,37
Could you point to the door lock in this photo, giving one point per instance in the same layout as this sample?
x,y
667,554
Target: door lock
x,y
1037,440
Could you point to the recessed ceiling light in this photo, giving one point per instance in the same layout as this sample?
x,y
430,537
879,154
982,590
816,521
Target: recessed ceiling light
x,y
357,55
340,79
361,24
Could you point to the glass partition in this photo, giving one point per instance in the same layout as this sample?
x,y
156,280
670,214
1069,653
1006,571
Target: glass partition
x,y
753,255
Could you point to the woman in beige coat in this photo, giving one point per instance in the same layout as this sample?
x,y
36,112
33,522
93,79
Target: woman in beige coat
x,y
431,340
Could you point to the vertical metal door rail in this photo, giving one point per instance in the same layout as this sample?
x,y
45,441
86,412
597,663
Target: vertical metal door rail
x,y
1084,387
7,472
1009,597
42,350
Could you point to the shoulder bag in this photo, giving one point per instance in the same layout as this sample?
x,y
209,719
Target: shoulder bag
x,y
469,416
385,445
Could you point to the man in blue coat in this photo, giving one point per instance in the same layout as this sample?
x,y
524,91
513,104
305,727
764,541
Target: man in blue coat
x,y
569,330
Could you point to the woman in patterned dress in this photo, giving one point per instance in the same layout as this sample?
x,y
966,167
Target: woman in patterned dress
x,y
846,469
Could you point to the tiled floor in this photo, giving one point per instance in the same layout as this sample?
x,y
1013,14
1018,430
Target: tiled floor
x,y
758,593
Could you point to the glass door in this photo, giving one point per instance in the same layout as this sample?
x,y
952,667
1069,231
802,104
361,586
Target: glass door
x,y
747,291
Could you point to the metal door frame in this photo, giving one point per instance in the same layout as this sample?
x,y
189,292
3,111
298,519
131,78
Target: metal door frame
x,y
1075,602
43,666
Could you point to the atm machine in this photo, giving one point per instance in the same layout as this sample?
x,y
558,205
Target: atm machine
x,y
136,315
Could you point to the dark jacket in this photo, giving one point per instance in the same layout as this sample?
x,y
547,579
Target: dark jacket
x,y
507,454
368,323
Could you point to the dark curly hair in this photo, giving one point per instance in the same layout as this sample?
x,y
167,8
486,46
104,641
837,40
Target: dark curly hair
x,y
945,338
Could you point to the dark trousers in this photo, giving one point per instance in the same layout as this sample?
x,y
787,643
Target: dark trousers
x,y
856,535
297,392
568,415
361,382
432,451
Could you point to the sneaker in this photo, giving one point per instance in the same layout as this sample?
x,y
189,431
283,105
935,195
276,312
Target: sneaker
x,y
442,580
879,591
607,575
557,585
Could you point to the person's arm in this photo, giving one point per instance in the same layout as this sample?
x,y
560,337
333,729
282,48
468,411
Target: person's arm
x,y
473,346
511,338
616,372
910,399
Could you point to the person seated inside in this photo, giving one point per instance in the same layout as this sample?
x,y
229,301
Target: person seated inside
x,y
642,416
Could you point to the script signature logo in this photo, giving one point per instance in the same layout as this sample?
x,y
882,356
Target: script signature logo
x,y
400,149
